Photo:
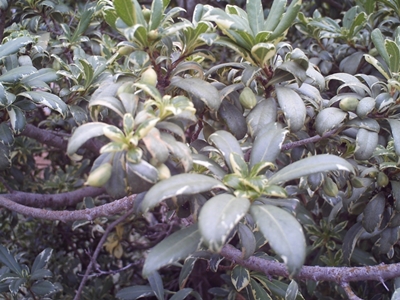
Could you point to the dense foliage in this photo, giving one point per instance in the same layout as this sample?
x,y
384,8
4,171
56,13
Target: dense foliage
x,y
231,151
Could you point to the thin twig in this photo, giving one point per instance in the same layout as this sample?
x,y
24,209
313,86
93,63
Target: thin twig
x,y
349,291
89,214
97,251
312,139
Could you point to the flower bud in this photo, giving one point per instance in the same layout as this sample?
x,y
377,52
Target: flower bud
x,y
149,77
247,98
349,103
330,187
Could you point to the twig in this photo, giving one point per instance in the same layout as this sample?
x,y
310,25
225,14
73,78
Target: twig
x,y
316,273
53,200
90,214
51,139
349,291
312,139
97,251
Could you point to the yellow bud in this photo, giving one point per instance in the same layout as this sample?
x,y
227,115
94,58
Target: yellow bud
x,y
349,103
146,14
100,176
247,98
382,180
149,77
163,172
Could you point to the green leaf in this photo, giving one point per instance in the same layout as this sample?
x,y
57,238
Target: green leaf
x,y
42,75
275,14
178,245
135,292
261,115
233,118
373,213
383,69
144,170
156,284
17,118
42,288
350,240
181,184
186,270
328,119
267,144
83,24
50,100
366,143
13,46
219,216
182,294
240,277
41,260
6,135
205,91
394,55
247,240
17,74
211,165
293,108
5,157
126,11
287,20
109,102
292,291
262,53
255,13
395,127
157,9
226,144
84,133
257,291
9,261
379,42
284,234
310,165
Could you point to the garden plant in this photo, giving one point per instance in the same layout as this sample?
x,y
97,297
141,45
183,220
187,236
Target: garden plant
x,y
233,150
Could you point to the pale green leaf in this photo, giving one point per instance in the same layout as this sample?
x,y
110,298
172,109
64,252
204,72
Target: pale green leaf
x,y
366,143
328,119
284,234
383,69
255,13
379,42
135,292
13,46
350,240
395,127
394,55
109,102
17,74
144,170
48,99
42,288
275,14
293,108
226,144
9,260
156,284
181,294
178,245
181,184
287,20
210,164
219,216
373,213
126,11
41,260
17,118
261,115
157,9
267,144
311,165
84,133
205,91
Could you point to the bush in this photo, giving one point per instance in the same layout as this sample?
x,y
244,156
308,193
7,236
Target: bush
x,y
245,152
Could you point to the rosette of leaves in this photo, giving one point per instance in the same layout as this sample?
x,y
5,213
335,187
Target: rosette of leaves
x,y
242,190
22,88
149,144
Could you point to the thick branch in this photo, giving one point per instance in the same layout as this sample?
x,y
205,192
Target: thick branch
x,y
54,200
105,210
51,139
315,273
97,252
